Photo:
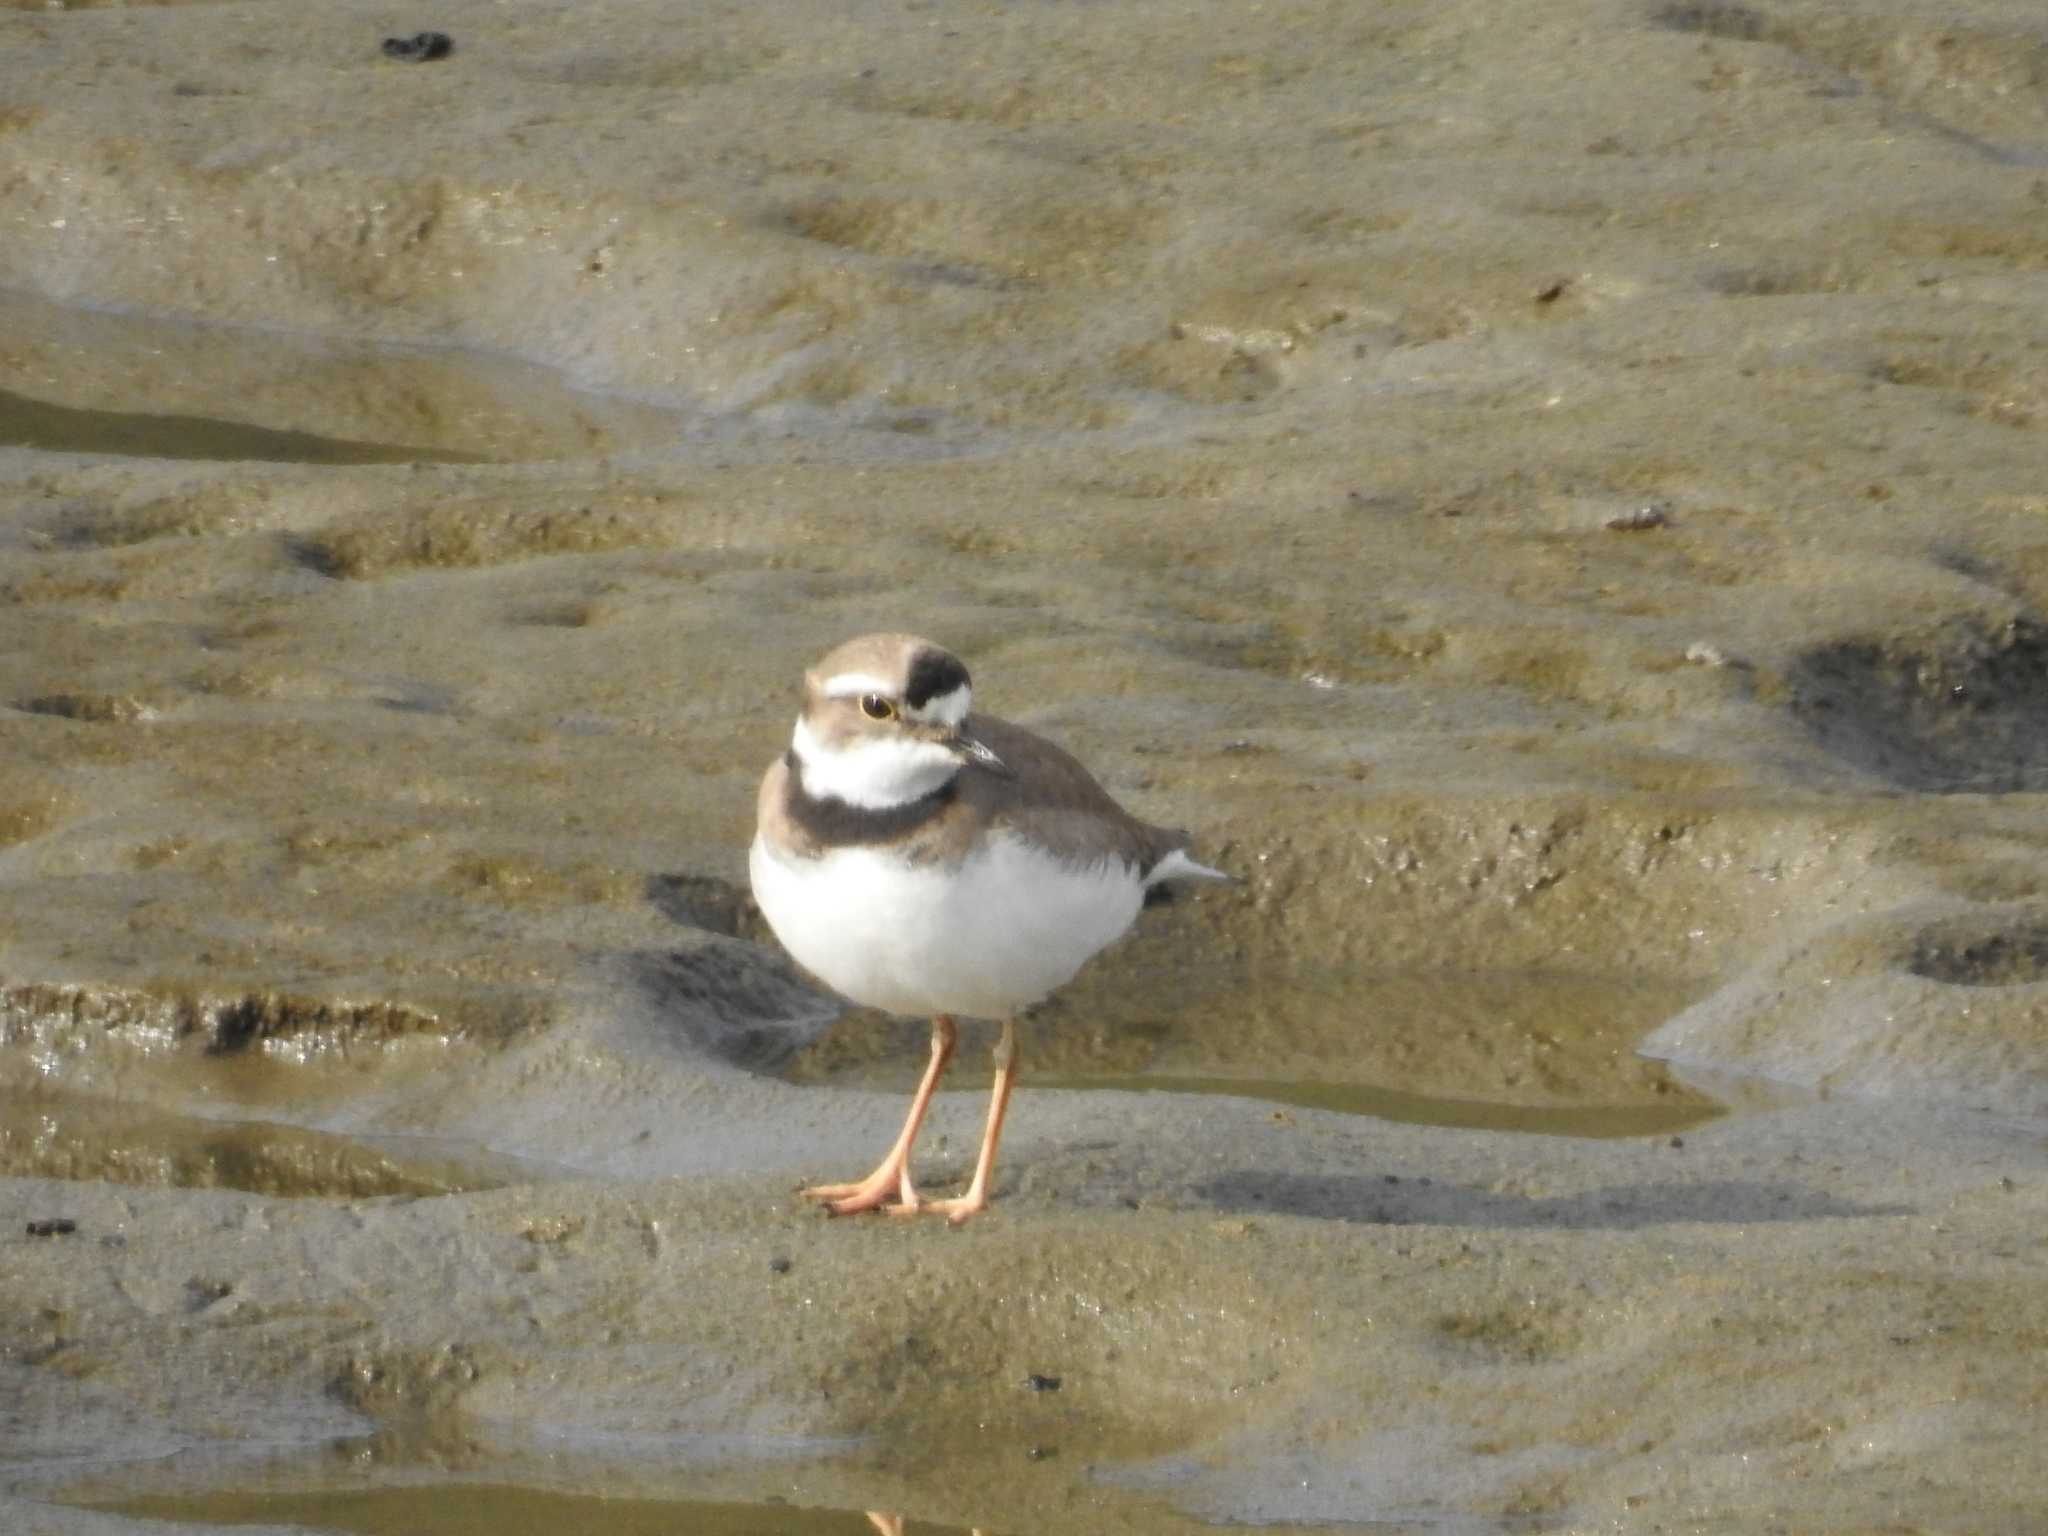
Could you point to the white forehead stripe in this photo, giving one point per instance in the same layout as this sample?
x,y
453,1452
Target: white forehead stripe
x,y
947,708
851,685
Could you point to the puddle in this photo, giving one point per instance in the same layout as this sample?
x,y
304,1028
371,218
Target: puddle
x,y
501,1509
44,1137
505,1509
478,1506
615,1498
1528,1052
27,423
84,381
1601,1121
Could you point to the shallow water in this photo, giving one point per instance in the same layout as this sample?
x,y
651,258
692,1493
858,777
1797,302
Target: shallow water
x,y
59,1136
84,381
413,1504
1594,1120
27,423
491,1509
1504,1050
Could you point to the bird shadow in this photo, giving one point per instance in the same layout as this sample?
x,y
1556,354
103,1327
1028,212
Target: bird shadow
x,y
738,1002
1390,1201
734,995
707,902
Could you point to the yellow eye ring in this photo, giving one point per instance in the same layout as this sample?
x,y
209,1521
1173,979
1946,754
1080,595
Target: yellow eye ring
x,y
875,707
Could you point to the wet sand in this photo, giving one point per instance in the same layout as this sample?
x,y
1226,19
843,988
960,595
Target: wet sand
x,y
1556,505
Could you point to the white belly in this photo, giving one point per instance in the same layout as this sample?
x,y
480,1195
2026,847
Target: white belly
x,y
986,939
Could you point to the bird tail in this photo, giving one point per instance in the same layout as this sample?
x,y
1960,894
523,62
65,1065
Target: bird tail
x,y
1178,866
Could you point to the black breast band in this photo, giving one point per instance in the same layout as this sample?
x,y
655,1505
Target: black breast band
x,y
833,823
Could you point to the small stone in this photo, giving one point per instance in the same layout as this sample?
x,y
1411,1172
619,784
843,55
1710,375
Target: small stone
x,y
1640,519
1039,1383
54,1226
779,1265
420,48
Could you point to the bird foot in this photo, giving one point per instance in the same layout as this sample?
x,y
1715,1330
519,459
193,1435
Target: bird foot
x,y
850,1199
889,1191
888,1188
958,1209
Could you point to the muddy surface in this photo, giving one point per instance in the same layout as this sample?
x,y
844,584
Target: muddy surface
x,y
1557,507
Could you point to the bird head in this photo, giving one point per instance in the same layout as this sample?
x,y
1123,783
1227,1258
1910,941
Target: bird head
x,y
885,722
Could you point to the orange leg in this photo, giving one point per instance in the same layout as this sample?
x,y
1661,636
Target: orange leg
x,y
960,1208
891,1179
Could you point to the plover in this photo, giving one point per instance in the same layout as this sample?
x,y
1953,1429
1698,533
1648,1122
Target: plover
x,y
923,859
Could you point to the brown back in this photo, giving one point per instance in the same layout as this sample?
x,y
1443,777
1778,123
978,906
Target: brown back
x,y
1047,797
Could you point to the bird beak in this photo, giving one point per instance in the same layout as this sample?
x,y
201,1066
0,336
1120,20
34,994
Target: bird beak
x,y
972,751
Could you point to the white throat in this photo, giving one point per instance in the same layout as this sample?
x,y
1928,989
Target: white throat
x,y
873,775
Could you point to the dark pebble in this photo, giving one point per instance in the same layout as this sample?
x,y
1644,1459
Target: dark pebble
x,y
1640,519
780,1266
55,1226
420,48
1039,1383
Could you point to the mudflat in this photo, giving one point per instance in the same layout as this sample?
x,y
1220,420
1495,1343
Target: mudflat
x,y
1554,500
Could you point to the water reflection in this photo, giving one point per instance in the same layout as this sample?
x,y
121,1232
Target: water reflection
x,y
892,1525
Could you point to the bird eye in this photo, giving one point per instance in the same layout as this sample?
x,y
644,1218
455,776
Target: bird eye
x,y
875,707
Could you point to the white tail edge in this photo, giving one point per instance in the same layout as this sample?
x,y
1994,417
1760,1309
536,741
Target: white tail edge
x,y
1178,866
